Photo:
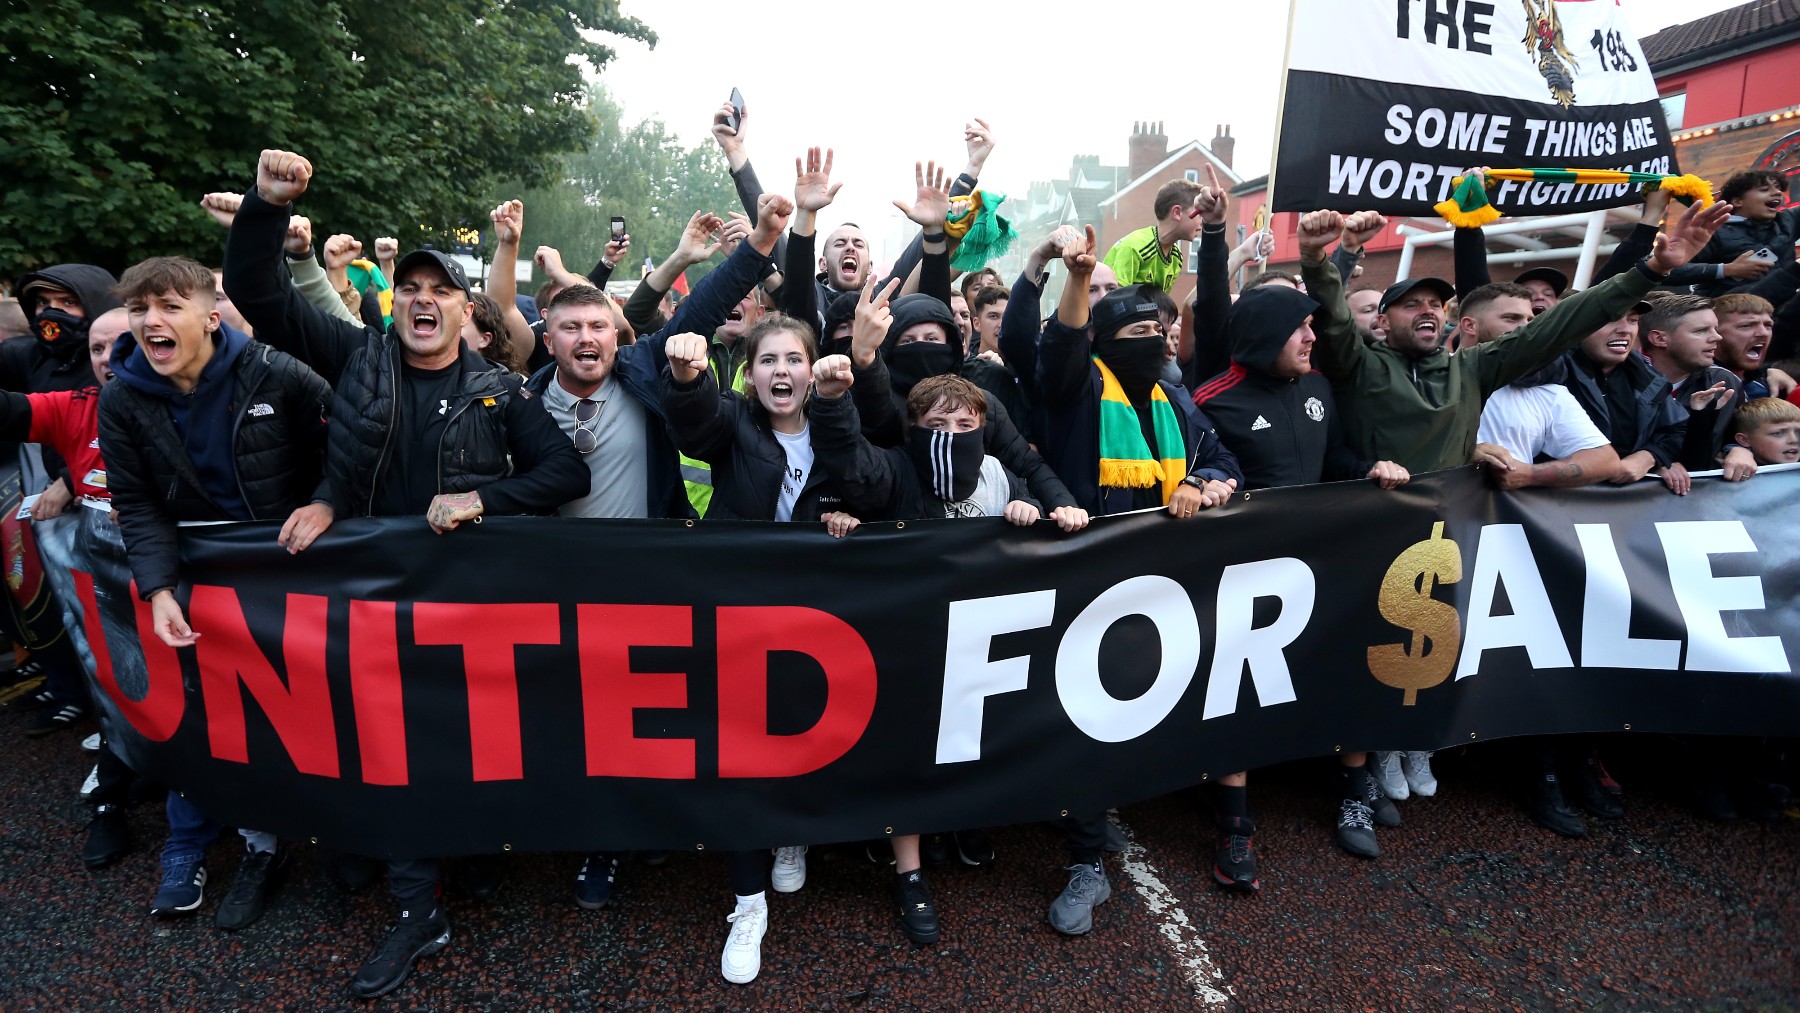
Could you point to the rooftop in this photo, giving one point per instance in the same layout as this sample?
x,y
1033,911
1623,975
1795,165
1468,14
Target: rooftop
x,y
1747,26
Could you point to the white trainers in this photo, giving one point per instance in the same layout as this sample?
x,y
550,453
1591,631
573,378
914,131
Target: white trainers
x,y
1388,775
1417,766
742,958
91,743
789,873
92,782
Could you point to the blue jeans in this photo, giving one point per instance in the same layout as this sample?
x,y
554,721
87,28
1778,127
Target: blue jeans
x,y
191,831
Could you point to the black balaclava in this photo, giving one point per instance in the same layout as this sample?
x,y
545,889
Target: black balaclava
x,y
948,463
842,310
64,335
910,363
1137,362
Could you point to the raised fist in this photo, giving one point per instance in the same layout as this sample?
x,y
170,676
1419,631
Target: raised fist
x,y
340,250
299,236
282,176
832,376
386,248
687,354
222,206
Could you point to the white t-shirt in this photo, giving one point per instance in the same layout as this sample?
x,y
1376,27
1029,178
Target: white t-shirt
x,y
1529,421
799,450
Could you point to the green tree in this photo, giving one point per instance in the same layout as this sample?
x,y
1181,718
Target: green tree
x,y
117,115
640,173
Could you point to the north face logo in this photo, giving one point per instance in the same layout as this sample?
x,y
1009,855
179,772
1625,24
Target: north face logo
x,y
1260,423
260,409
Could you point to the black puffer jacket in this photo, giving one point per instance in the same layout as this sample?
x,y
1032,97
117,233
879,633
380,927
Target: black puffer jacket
x,y
1660,421
732,433
511,450
278,439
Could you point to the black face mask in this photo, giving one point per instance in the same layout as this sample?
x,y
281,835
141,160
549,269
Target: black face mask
x,y
949,463
910,363
1137,362
63,335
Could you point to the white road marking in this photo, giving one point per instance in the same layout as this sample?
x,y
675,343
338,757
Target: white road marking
x,y
1189,950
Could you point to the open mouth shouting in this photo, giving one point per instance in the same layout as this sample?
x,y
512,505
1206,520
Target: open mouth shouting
x,y
159,347
425,325
781,394
848,269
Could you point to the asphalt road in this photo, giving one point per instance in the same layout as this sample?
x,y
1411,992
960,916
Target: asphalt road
x,y
1470,907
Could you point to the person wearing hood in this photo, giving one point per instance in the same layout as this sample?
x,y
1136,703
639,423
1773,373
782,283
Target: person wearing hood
x,y
60,303
1279,419
204,424
895,347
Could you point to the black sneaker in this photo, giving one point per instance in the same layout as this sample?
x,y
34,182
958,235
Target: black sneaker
x,y
934,849
1381,808
594,883
481,876
108,837
918,919
1356,829
1234,859
249,895
1548,810
407,941
22,678
1592,793
973,848
55,717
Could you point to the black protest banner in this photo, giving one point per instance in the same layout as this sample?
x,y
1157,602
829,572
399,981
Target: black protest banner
x,y
580,685
1386,101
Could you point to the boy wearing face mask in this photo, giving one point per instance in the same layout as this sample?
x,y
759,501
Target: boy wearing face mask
x,y
941,469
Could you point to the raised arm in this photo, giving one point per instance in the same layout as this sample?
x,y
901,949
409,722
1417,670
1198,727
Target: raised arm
x,y
929,211
258,282
979,137
868,479
813,192
1339,351
695,246
1203,339
1065,349
1020,324
700,418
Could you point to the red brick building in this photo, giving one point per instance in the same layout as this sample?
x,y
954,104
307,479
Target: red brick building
x,y
1731,94
1151,164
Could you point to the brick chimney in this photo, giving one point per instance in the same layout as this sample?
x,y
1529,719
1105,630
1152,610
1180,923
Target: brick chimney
x,y
1148,147
1223,144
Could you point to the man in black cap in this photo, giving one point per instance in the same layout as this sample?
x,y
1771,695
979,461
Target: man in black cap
x,y
1546,285
1408,400
419,423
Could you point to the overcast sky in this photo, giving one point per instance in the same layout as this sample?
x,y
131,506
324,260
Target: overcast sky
x,y
886,90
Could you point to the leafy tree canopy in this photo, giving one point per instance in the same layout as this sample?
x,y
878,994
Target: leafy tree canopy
x,y
116,116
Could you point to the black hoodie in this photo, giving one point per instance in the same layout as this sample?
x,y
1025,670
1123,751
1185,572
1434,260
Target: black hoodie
x,y
881,400
1283,430
33,365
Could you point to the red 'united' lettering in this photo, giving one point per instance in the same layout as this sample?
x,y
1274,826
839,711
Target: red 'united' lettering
x,y
158,714
299,710
611,692
375,692
488,634
747,635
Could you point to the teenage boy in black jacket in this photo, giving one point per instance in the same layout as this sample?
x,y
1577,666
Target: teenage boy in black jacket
x,y
419,424
204,424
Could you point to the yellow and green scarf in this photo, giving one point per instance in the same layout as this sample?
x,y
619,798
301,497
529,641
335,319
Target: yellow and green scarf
x,y
1125,459
1468,206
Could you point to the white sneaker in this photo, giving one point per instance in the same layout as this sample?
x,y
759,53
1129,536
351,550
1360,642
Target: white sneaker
x,y
1417,766
789,873
91,743
743,948
92,782
1388,775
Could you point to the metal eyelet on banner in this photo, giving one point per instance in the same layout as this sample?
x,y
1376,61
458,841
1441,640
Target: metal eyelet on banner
x,y
1205,776
1337,749
1628,726
1065,812
1471,735
699,847
505,847
315,840
1246,497
689,522
899,525
889,831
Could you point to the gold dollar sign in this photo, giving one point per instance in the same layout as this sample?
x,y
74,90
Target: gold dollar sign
x,y
1406,602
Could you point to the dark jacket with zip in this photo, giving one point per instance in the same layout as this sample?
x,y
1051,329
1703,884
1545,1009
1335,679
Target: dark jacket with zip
x,y
497,438
1282,430
1661,422
277,436
732,433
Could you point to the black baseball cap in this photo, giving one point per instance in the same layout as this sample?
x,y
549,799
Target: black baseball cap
x,y
1558,281
1124,306
418,258
1398,290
